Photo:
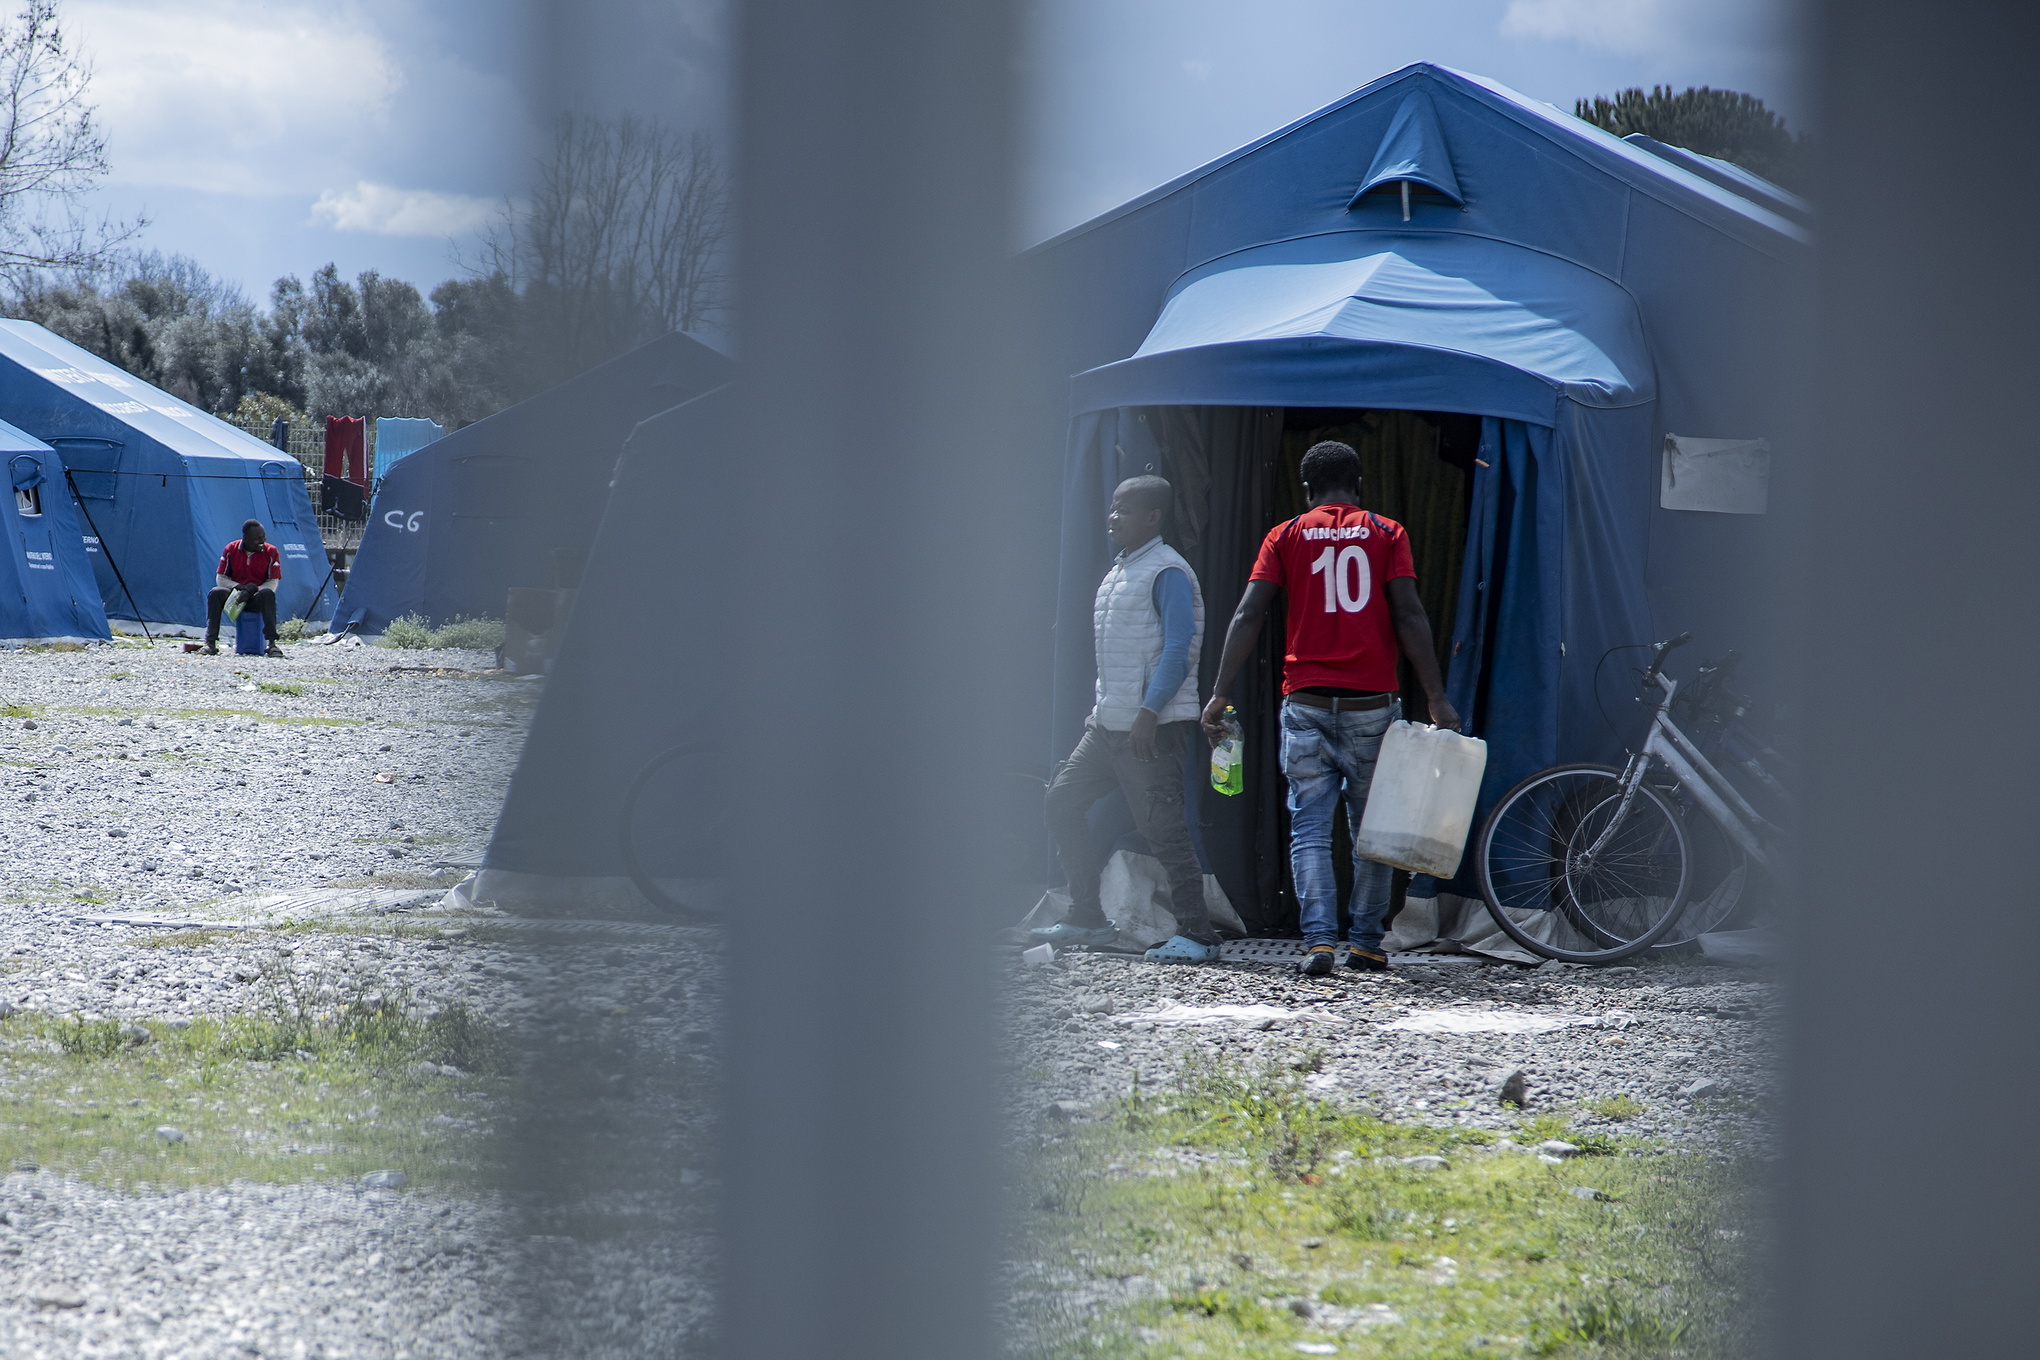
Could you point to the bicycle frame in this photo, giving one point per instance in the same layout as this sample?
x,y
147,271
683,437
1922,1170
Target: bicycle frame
x,y
1696,775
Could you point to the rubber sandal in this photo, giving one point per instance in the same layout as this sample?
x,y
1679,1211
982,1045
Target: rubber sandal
x,y
1182,949
1063,935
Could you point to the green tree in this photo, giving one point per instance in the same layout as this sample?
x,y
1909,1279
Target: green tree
x,y
1720,123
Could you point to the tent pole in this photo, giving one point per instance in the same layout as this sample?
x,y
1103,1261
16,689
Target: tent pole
x,y
331,567
71,482
1405,200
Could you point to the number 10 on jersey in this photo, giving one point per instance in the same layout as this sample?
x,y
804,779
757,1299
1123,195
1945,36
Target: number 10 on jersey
x,y
1348,578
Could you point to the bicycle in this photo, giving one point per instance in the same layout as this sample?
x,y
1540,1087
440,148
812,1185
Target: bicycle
x,y
1613,853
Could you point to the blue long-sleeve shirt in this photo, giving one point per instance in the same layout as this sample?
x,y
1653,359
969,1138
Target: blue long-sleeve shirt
x,y
1173,601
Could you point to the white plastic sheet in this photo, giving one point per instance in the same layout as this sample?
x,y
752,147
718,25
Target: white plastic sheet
x,y
1488,1022
1177,1014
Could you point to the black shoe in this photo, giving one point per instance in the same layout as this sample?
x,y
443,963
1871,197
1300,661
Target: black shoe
x,y
1365,960
274,651
212,647
1317,962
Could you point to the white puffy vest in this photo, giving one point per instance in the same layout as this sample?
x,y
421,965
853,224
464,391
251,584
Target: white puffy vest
x,y
1126,630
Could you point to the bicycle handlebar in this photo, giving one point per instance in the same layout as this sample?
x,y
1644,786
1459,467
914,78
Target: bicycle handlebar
x,y
1661,651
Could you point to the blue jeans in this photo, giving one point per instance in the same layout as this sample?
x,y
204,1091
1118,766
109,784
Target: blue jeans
x,y
1328,756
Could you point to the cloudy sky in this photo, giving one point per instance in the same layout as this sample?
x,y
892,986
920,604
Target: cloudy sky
x,y
264,137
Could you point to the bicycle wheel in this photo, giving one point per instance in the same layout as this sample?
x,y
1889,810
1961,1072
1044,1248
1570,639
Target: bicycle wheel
x,y
687,838
1554,844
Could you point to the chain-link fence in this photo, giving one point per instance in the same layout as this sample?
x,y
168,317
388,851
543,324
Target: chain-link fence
x,y
306,442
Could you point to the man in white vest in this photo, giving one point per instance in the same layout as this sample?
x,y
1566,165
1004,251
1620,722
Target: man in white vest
x,y
1148,627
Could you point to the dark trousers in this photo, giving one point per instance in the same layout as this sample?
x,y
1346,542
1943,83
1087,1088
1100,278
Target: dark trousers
x,y
216,600
1102,762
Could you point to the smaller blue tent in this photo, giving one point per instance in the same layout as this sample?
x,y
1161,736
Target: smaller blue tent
x,y
160,485
513,499
47,593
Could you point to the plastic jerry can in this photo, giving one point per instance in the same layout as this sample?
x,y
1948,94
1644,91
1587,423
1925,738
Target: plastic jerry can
x,y
248,636
1420,806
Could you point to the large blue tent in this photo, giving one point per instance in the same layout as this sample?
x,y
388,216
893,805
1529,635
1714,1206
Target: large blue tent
x,y
160,485
1435,243
513,499
47,593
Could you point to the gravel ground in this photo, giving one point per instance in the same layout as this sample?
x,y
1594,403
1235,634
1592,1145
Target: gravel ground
x,y
300,1270
153,784
161,789
1650,1032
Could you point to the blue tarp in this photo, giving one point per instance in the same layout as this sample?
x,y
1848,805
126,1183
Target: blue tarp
x,y
47,593
398,437
161,485
514,499
1583,295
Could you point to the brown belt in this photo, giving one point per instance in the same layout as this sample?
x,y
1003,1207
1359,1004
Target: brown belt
x,y
1341,703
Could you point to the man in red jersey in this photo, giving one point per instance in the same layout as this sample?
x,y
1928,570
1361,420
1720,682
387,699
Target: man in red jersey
x,y
251,567
1352,607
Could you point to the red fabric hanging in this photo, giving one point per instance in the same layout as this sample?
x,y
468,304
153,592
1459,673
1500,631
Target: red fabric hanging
x,y
347,449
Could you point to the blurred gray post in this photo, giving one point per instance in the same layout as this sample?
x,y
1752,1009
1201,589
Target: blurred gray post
x,y
868,555
1912,1188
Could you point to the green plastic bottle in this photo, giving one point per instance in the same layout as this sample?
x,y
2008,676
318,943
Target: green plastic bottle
x,y
1228,758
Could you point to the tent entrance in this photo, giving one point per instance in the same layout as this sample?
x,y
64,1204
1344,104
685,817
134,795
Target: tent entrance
x,y
1234,470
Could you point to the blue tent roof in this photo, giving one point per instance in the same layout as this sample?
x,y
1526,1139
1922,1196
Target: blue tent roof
x,y
505,501
47,593
1729,176
161,485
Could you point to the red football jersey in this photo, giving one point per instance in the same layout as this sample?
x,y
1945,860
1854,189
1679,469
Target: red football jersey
x,y
1335,563
264,564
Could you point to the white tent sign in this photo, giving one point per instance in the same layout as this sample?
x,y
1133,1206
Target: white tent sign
x,y
1725,476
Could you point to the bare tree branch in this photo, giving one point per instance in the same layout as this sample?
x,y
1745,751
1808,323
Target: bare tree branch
x,y
623,238
51,151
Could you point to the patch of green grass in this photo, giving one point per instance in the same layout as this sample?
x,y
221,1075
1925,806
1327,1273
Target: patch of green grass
x,y
1232,1195
121,675
412,633
19,711
291,688
185,939
1611,1324
1616,1108
399,879
55,647
375,929
297,630
292,1092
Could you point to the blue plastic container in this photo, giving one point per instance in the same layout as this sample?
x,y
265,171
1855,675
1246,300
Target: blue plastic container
x,y
248,637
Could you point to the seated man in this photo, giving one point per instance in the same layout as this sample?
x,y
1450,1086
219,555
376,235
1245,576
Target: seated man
x,y
251,567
